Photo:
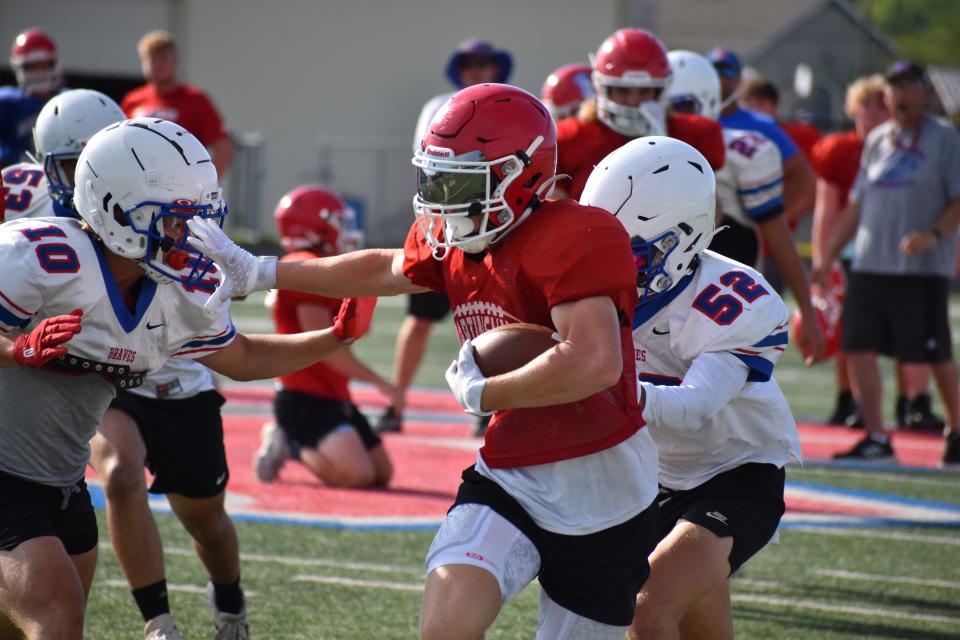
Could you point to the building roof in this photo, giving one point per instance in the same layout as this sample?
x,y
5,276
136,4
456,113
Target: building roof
x,y
775,37
946,84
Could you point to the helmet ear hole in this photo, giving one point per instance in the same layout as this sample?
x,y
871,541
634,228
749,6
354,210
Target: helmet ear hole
x,y
118,214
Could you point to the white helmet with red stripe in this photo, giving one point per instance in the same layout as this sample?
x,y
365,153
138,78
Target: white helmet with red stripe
x,y
631,58
36,62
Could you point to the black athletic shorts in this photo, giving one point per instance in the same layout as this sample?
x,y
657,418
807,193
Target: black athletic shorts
x,y
738,242
597,575
308,419
30,510
905,317
428,305
745,503
184,440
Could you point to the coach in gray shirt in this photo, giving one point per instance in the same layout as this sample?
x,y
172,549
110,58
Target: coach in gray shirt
x,y
904,210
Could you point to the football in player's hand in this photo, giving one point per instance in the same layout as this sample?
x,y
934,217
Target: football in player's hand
x,y
510,346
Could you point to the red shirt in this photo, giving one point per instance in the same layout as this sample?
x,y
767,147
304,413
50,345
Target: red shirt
x,y
582,145
185,104
804,135
563,252
836,159
318,379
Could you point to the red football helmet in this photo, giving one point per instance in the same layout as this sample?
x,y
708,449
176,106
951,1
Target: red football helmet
x,y
30,47
566,88
828,307
487,161
311,216
631,58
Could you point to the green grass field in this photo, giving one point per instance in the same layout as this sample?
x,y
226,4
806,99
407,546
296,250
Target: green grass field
x,y
827,583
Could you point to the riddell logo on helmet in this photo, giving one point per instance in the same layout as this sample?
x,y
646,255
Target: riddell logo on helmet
x,y
438,152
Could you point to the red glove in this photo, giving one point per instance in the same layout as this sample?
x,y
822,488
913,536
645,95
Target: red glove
x,y
353,318
42,345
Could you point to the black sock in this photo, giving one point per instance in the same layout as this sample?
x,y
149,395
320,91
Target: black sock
x,y
228,597
152,600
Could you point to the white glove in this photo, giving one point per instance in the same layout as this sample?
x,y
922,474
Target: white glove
x,y
466,381
242,271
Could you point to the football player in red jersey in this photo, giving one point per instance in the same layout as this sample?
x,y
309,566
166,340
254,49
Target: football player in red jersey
x,y
316,420
630,73
566,89
562,488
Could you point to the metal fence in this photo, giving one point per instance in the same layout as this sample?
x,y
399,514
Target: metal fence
x,y
243,189
375,176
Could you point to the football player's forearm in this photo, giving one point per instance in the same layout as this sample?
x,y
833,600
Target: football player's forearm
x,y
799,188
6,353
784,252
712,381
261,356
355,274
563,374
843,232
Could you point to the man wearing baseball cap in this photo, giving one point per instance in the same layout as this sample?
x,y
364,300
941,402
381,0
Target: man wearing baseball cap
x,y
904,210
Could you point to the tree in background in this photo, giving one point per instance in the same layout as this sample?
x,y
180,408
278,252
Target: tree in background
x,y
925,30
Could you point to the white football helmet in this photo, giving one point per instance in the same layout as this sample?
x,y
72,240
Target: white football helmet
x,y
663,191
64,126
137,183
695,87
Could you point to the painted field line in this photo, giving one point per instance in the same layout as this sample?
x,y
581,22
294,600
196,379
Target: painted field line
x,y
868,612
879,535
363,584
925,479
181,588
870,577
294,561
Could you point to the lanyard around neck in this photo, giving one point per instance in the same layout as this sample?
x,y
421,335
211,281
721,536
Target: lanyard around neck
x,y
914,140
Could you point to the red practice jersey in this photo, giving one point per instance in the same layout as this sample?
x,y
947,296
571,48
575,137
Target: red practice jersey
x,y
804,135
563,252
582,145
836,159
186,105
318,379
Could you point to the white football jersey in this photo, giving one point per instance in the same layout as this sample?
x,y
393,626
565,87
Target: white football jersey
x,y
25,192
27,197
750,184
705,352
59,268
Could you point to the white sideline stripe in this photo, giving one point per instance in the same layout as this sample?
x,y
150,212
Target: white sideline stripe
x,y
303,562
181,588
875,507
881,535
870,577
365,584
464,444
868,612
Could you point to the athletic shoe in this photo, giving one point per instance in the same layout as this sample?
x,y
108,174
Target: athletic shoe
x,y
480,427
920,417
273,453
844,409
228,626
951,451
868,450
162,628
389,422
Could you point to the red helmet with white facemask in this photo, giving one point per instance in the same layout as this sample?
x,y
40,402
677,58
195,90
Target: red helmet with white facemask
x,y
566,88
487,161
36,63
314,217
631,58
